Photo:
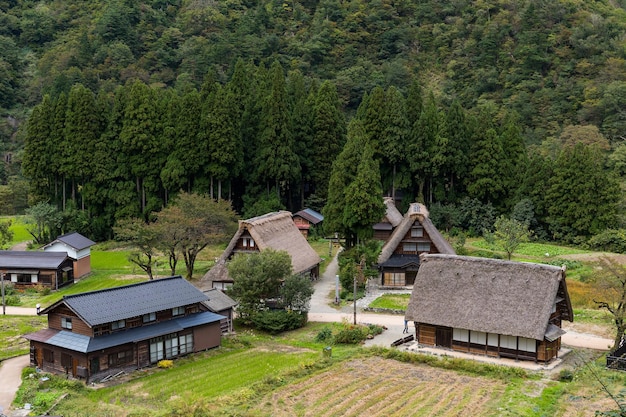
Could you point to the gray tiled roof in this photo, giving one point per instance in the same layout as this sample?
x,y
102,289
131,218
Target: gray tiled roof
x,y
218,301
12,259
81,343
74,240
311,215
119,303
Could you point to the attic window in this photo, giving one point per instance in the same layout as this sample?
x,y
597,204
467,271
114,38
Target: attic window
x,y
417,232
120,324
66,323
178,311
147,318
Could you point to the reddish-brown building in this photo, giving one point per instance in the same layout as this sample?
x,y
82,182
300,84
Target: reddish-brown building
x,y
95,334
490,307
307,219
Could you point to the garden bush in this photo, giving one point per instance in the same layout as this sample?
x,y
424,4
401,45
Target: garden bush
x,y
351,334
276,321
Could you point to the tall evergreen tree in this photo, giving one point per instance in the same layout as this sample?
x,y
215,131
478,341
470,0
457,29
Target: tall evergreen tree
x,y
423,148
276,161
330,131
582,197
363,202
374,120
37,152
455,167
394,139
485,178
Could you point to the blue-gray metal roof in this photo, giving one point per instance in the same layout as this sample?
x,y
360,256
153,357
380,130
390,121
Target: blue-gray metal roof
x,y
13,259
74,240
401,261
81,343
120,303
311,215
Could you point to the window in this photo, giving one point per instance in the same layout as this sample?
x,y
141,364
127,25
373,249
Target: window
x,y
527,345
147,318
409,247
479,338
460,335
492,339
170,346
66,323
251,242
508,342
121,358
178,311
423,247
393,279
120,324
66,360
417,232
48,356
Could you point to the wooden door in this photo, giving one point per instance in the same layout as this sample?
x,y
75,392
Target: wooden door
x,y
443,336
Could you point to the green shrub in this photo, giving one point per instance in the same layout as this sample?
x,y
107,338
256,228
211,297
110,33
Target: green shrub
x,y
351,334
611,240
276,321
566,375
374,329
324,335
13,300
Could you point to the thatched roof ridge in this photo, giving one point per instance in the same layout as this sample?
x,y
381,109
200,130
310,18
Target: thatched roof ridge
x,y
392,214
487,295
418,212
274,230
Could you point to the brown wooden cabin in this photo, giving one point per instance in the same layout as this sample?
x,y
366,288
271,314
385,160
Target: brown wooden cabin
x,y
27,269
275,231
414,235
490,307
99,333
306,219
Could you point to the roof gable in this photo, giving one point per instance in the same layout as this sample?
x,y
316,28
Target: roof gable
x,y
274,231
74,240
416,213
310,215
119,303
487,295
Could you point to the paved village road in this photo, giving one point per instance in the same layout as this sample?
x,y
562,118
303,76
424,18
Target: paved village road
x,y
10,380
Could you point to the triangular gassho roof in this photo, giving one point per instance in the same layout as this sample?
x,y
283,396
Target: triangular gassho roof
x,y
392,214
275,231
74,240
417,212
120,303
489,295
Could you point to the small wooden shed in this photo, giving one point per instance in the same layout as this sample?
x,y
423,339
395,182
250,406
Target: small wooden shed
x,y
77,247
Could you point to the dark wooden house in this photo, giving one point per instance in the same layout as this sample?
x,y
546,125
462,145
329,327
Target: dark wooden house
x,y
77,247
27,269
275,231
307,219
99,333
414,235
490,307
391,220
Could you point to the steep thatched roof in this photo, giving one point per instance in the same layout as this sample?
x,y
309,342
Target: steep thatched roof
x,y
392,214
487,295
417,212
270,231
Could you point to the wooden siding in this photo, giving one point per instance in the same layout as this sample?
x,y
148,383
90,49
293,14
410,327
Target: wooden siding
x,y
82,267
427,335
206,337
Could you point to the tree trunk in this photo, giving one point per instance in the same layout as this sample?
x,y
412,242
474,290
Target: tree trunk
x,y
211,188
219,190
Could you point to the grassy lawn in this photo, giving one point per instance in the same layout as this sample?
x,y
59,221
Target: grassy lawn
x,y
391,301
11,330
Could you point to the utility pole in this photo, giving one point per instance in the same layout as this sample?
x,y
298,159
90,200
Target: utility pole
x,y
4,308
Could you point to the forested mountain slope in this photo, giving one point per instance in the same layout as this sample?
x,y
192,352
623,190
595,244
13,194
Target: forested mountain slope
x,y
552,73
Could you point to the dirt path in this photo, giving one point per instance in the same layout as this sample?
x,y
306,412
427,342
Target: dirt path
x,y
10,380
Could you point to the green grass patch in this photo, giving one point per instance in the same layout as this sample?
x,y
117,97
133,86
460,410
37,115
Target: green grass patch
x,y
391,301
539,251
11,330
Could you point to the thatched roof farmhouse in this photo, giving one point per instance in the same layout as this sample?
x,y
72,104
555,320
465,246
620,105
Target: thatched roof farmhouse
x,y
270,231
412,235
490,306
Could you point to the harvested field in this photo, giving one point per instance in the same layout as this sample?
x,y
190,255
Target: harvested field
x,y
378,387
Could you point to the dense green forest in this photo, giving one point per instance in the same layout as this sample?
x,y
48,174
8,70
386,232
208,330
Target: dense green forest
x,y
477,108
